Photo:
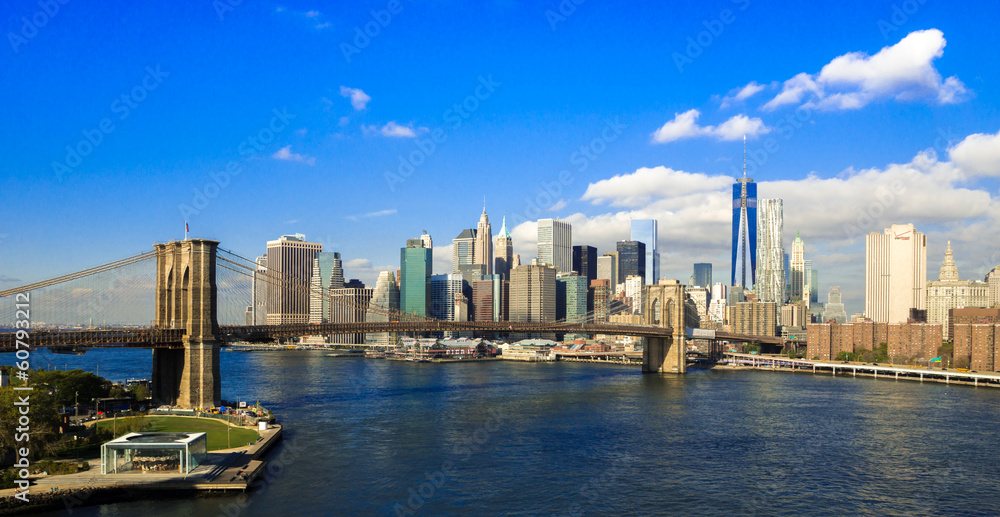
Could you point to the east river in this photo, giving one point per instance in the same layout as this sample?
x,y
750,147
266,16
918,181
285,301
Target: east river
x,y
371,437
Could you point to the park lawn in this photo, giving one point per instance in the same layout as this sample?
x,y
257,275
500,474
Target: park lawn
x,y
216,429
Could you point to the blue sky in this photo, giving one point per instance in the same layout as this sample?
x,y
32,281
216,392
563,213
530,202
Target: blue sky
x,y
892,97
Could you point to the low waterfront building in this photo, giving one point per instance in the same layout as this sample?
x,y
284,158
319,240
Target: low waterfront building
x,y
154,452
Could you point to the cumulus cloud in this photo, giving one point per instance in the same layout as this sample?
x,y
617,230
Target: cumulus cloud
x,y
741,94
359,99
642,186
394,130
285,153
978,154
685,125
904,72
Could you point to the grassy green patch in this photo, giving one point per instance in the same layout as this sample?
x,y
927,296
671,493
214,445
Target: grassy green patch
x,y
216,430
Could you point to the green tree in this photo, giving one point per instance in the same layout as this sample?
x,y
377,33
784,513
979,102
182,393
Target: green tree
x,y
66,384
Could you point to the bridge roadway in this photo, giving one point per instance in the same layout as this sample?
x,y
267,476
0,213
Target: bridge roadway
x,y
150,337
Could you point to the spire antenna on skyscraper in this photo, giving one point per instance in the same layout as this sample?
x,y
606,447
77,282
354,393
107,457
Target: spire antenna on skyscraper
x,y
744,155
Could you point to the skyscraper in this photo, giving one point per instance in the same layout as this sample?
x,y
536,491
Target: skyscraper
x,y
384,302
349,305
415,262
533,293
631,260
504,252
259,287
744,228
585,261
443,291
463,251
571,298
290,261
895,273
798,268
555,244
328,273
607,267
645,231
483,253
703,275
770,276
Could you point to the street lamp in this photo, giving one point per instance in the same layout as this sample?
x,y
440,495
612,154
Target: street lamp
x,y
76,403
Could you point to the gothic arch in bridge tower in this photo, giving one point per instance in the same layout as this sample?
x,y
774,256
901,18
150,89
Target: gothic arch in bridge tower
x,y
186,298
664,307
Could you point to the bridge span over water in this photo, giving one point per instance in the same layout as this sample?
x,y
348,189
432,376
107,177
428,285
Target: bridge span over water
x,y
185,334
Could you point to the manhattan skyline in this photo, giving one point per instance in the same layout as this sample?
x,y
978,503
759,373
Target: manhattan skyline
x,y
857,116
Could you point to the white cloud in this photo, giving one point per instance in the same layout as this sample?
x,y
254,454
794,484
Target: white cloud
x,y
285,153
685,125
558,206
741,94
904,72
640,187
369,215
312,14
324,25
359,99
358,263
394,130
978,154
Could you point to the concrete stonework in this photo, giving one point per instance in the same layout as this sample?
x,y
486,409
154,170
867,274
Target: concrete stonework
x,y
664,306
186,298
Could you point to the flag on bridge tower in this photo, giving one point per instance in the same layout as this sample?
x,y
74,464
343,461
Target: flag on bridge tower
x,y
186,230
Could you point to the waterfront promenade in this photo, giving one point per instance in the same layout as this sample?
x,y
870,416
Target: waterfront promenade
x,y
854,369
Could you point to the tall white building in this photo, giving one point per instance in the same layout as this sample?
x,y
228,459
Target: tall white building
x,y
993,281
770,277
484,244
555,244
634,290
384,302
503,252
797,266
259,307
895,273
607,268
948,292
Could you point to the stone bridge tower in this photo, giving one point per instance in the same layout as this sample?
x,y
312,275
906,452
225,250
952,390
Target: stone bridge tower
x,y
665,306
186,299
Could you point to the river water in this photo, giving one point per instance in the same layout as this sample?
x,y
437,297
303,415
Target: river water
x,y
370,437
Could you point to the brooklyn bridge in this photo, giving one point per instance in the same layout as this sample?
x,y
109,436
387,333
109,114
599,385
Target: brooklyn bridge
x,y
192,285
